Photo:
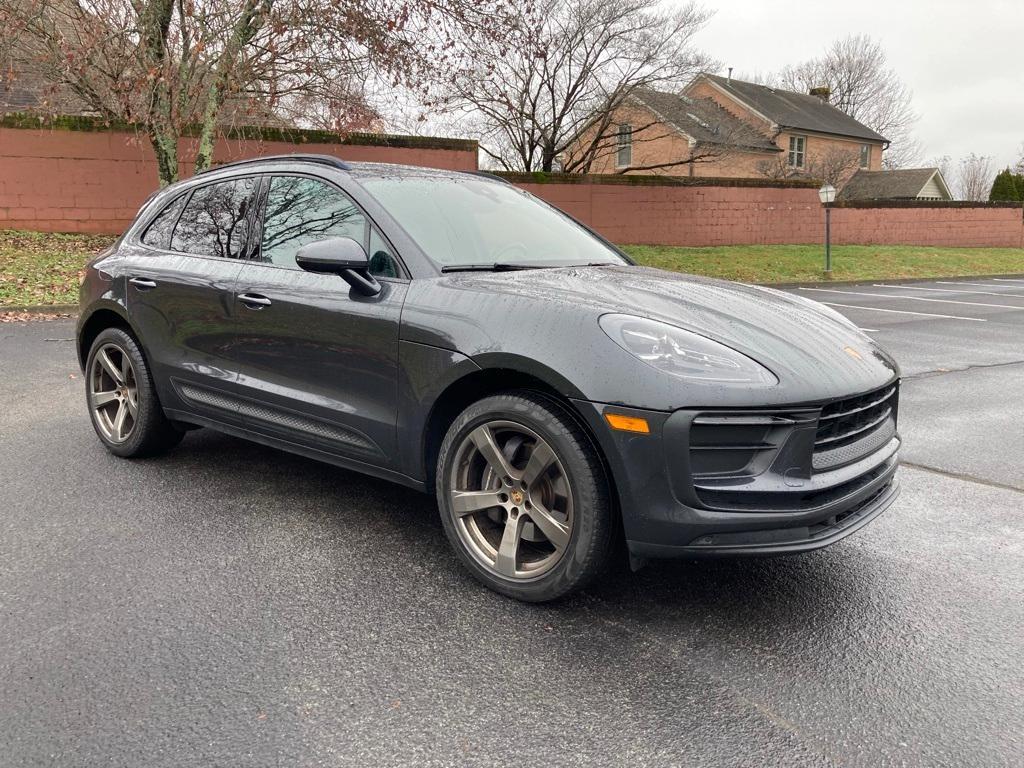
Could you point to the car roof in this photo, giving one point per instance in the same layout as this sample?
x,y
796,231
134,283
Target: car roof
x,y
356,169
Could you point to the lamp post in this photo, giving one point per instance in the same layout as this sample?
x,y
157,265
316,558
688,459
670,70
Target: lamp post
x,y
827,195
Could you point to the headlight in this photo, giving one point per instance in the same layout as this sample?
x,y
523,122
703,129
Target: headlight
x,y
682,353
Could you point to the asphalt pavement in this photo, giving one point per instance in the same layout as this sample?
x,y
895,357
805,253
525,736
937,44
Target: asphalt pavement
x,y
228,604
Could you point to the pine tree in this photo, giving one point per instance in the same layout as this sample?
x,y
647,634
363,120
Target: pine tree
x,y
1004,188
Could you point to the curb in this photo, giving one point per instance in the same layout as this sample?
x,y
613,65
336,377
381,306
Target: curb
x,y
43,309
897,280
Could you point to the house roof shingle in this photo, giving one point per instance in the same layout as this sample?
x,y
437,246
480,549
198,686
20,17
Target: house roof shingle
x,y
795,110
902,184
704,120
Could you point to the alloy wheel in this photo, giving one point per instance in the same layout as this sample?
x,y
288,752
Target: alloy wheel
x,y
511,500
113,393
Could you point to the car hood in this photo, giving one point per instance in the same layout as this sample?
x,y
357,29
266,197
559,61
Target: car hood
x,y
795,338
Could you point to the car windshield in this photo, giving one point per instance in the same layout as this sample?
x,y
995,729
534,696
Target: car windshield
x,y
472,221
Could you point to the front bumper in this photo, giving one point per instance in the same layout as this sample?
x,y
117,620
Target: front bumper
x,y
792,495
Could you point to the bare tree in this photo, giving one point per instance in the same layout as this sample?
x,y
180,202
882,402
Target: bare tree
x,y
864,86
974,179
945,165
834,166
184,67
1018,167
584,58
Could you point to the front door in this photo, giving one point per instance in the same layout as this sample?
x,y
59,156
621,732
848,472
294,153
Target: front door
x,y
180,294
320,359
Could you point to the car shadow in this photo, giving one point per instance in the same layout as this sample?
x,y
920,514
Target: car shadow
x,y
738,593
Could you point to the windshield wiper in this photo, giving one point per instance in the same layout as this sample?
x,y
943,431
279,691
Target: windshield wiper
x,y
493,267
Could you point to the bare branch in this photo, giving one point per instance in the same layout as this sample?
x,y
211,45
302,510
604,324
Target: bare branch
x,y
864,86
567,74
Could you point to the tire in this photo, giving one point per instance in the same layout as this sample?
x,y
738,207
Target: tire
x,y
549,531
120,382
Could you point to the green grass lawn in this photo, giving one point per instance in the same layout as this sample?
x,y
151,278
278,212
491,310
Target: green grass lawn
x,y
42,268
38,268
806,263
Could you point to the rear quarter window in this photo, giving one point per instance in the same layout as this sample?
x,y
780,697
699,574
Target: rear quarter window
x,y
158,233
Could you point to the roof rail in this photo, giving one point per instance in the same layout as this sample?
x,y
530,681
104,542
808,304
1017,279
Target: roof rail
x,y
488,175
298,157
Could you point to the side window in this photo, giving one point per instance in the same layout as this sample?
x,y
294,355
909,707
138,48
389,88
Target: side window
x,y
301,211
214,222
158,234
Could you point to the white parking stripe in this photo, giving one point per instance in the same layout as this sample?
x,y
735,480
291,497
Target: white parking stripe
x,y
1008,280
950,290
904,312
912,298
983,285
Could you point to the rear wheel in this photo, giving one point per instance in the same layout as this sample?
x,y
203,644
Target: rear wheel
x,y
122,401
523,497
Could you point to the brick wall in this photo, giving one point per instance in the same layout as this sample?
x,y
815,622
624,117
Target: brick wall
x,y
703,212
90,179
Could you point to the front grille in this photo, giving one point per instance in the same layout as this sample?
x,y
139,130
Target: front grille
x,y
849,421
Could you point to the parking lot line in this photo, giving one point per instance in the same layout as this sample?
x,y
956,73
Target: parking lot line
x,y
904,312
949,290
1008,280
912,298
983,285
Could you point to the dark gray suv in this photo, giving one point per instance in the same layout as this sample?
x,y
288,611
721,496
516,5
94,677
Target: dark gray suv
x,y
453,333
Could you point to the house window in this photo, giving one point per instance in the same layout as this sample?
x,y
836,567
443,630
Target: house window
x,y
865,155
624,153
797,151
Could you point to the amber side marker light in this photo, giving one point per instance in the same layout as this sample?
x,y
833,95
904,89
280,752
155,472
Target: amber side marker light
x,y
627,423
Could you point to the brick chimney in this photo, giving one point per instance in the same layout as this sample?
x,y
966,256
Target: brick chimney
x,y
823,92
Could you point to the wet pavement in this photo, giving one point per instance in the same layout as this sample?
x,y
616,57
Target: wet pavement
x,y
229,604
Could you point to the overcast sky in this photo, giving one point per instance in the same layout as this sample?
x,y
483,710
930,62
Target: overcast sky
x,y
964,60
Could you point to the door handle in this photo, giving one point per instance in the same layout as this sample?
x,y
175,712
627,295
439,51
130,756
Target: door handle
x,y
254,300
143,283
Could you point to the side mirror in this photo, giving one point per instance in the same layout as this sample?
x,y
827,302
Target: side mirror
x,y
339,256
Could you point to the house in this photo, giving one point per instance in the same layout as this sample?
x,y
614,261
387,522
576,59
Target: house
x,y
720,126
902,184
673,134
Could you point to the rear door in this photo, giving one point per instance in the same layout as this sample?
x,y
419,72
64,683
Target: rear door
x,y
181,294
321,359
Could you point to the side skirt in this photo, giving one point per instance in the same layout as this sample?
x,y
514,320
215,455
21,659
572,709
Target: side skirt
x,y
301,450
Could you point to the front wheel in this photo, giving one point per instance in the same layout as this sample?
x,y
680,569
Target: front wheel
x,y
523,497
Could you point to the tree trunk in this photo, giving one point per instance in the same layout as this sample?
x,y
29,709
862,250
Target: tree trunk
x,y
248,23
165,147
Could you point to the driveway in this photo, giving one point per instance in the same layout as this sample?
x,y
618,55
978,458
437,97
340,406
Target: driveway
x,y
229,604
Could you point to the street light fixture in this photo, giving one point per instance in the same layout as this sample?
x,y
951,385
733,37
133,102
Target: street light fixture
x,y
827,195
